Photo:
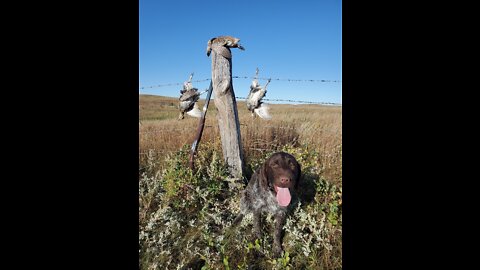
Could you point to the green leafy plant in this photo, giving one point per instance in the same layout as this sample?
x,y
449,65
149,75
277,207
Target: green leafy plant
x,y
186,216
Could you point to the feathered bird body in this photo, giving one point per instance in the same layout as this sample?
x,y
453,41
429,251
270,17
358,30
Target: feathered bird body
x,y
255,95
227,41
188,103
188,100
254,100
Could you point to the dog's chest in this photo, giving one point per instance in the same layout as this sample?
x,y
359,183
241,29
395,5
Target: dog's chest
x,y
264,201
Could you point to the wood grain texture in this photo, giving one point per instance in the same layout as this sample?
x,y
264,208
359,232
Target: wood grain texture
x,y
229,125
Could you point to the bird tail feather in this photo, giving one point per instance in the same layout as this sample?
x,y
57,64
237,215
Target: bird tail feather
x,y
262,111
195,112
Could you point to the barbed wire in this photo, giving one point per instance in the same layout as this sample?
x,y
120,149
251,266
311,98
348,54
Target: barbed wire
x,y
244,77
266,99
297,101
171,84
290,100
288,80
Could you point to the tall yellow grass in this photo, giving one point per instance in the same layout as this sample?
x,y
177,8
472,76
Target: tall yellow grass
x,y
319,127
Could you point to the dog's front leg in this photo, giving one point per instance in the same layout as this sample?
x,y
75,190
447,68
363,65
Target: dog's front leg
x,y
257,224
280,218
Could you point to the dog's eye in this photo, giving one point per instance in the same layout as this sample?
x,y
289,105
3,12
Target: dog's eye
x,y
275,164
290,163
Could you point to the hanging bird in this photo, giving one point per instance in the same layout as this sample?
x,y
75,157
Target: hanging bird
x,y
188,100
227,41
254,99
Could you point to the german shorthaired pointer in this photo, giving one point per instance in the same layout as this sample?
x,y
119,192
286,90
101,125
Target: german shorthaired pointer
x,y
269,190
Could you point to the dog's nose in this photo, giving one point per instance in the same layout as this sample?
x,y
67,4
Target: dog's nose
x,y
284,180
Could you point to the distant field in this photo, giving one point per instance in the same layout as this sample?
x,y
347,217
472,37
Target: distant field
x,y
319,127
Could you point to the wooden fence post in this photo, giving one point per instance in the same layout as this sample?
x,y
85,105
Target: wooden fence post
x,y
228,122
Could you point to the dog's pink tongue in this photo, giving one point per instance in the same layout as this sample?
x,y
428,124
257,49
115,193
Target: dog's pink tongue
x,y
283,196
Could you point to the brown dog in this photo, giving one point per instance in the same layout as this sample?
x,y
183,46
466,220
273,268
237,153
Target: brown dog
x,y
269,190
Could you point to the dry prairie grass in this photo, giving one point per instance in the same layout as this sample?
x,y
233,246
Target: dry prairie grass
x,y
318,127
185,216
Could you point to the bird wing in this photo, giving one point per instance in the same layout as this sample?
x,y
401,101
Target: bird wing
x,y
190,94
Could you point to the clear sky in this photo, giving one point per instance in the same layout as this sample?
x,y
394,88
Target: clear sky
x,y
284,39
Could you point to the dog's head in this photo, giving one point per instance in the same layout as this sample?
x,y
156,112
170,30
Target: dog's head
x,y
280,174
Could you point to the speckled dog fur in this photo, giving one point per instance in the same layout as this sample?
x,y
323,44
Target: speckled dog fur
x,y
280,170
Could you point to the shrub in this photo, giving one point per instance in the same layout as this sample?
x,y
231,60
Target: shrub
x,y
185,217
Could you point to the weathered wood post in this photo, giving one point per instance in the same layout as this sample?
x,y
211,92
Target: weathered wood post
x,y
227,116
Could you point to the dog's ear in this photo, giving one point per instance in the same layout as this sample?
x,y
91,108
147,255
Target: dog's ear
x,y
299,174
263,174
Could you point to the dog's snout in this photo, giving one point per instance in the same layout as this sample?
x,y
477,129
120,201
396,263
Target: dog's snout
x,y
284,180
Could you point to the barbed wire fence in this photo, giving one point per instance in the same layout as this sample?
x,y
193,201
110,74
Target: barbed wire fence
x,y
297,101
244,77
266,79
170,84
157,131
288,80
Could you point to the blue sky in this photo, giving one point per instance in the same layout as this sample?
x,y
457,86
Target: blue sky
x,y
284,39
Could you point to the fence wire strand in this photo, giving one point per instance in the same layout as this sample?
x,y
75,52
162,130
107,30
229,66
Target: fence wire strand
x,y
170,84
262,78
245,77
286,80
297,101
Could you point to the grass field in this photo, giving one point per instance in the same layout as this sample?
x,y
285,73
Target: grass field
x,y
185,215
